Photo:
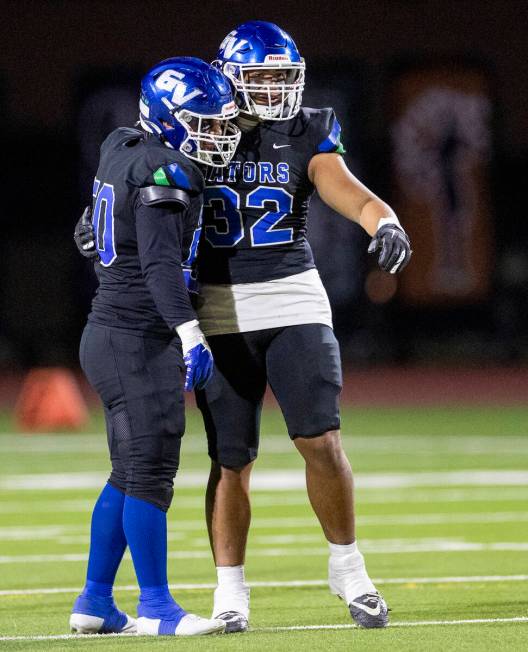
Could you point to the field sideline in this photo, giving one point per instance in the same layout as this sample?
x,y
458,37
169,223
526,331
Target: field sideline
x,y
442,519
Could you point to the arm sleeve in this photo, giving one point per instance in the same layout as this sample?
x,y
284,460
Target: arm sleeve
x,y
159,232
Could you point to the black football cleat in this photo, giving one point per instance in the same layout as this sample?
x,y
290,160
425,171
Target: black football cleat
x,y
369,610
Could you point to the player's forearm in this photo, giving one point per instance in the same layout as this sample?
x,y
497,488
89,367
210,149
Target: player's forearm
x,y
366,210
343,192
372,211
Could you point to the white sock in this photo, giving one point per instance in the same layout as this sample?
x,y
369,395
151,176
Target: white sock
x,y
347,570
232,592
338,550
230,576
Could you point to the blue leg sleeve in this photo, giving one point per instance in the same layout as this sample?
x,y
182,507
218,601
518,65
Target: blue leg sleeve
x,y
146,531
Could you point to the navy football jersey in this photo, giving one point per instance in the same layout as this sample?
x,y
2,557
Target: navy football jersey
x,y
255,210
141,248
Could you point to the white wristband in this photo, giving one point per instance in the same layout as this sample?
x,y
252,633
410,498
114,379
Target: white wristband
x,y
389,220
190,335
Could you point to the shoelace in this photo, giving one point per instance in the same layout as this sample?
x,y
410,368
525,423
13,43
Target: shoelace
x,y
372,597
230,615
375,598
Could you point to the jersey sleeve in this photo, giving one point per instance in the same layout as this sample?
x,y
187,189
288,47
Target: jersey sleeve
x,y
160,238
326,132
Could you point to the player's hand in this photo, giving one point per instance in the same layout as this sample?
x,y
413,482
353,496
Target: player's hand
x,y
196,355
199,363
395,248
84,235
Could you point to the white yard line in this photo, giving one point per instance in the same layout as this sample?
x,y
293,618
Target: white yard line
x,y
418,623
462,579
262,498
293,628
194,443
441,495
370,547
57,507
178,527
284,479
444,519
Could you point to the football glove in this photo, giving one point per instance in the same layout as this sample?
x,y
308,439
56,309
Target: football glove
x,y
196,355
395,247
84,235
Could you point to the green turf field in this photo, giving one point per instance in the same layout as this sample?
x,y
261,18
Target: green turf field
x,y
442,501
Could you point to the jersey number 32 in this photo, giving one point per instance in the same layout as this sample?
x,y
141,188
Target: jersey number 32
x,y
224,226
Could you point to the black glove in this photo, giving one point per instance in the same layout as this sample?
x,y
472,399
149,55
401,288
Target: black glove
x,y
84,235
395,248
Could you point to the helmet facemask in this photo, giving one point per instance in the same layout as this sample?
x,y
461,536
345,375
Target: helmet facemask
x,y
270,100
211,139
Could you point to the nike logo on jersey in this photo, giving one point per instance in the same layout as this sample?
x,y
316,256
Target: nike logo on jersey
x,y
369,610
275,146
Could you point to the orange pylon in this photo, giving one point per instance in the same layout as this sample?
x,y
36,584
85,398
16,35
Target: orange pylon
x,y
50,399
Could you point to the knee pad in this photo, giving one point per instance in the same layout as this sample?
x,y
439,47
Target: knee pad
x,y
157,493
151,477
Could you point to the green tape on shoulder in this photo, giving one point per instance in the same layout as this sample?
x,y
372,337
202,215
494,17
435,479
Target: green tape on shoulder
x,y
340,149
160,178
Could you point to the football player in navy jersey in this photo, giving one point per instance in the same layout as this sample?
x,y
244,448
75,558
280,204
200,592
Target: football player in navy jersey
x,y
266,314
142,334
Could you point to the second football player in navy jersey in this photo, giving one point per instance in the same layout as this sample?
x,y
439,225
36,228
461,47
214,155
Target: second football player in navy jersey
x,y
267,315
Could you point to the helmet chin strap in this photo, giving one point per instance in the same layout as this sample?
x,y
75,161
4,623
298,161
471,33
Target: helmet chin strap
x,y
247,121
273,113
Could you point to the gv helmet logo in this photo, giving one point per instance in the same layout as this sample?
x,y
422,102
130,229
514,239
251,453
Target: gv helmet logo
x,y
171,80
231,45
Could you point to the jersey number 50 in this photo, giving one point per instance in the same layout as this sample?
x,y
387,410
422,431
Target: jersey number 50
x,y
103,221
222,206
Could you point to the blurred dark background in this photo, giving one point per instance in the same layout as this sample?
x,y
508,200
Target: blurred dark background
x,y
431,97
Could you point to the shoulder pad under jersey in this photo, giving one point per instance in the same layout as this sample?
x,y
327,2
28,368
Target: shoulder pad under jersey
x,y
170,168
325,130
121,136
154,195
